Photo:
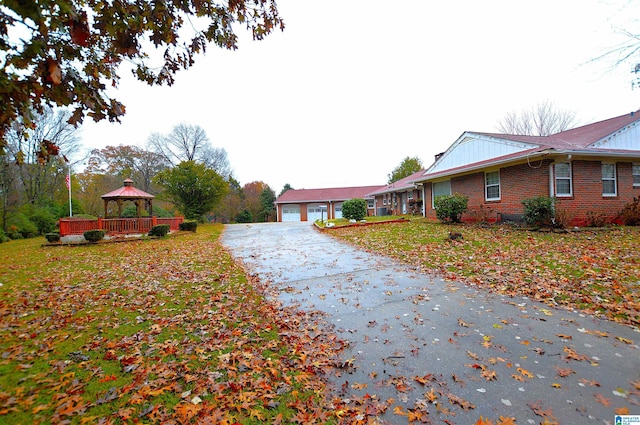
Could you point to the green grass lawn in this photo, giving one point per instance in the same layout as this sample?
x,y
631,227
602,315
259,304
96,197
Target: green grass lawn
x,y
150,331
593,270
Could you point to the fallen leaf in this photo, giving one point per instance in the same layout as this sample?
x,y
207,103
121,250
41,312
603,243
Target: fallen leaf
x,y
602,400
504,420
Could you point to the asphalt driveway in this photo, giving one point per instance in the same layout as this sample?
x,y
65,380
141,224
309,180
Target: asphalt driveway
x,y
422,344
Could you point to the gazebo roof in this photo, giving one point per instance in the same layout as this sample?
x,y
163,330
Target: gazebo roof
x,y
127,192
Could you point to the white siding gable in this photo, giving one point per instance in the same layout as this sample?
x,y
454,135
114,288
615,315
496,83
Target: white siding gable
x,y
627,138
471,148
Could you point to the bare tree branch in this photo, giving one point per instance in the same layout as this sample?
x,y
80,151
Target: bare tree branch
x,y
543,119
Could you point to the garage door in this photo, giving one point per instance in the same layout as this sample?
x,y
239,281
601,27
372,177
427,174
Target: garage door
x,y
291,213
314,212
339,210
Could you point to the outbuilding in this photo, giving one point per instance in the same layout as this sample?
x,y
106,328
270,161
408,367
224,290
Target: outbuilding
x,y
319,204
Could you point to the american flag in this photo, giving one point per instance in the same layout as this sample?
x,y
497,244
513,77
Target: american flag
x,y
68,180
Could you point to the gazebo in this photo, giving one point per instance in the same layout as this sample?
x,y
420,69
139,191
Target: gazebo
x,y
119,224
140,198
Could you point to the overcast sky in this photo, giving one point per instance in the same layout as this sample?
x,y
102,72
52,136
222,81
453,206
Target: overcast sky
x,y
351,87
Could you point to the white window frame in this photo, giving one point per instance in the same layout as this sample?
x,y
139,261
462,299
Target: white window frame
x,y
370,203
487,186
569,178
609,179
635,173
433,192
384,199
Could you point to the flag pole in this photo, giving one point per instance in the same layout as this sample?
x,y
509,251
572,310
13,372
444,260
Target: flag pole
x,y
68,181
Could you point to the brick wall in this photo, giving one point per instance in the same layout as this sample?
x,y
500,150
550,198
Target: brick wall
x,y
523,181
587,192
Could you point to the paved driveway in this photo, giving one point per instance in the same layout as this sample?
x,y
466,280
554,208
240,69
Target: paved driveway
x,y
480,354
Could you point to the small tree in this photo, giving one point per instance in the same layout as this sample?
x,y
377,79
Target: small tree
x,y
193,188
449,208
267,203
244,216
354,209
407,167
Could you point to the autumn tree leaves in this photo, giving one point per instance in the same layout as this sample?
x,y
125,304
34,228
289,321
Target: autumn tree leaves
x,y
66,53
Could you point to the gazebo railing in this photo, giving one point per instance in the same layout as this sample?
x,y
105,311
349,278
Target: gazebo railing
x,y
76,226
135,225
127,225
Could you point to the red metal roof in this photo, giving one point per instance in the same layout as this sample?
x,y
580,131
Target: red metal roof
x,y
326,194
578,139
128,192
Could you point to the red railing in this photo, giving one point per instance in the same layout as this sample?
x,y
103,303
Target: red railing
x,y
173,222
127,225
77,226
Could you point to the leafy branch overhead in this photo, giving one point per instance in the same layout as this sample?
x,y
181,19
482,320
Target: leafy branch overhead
x,y
67,52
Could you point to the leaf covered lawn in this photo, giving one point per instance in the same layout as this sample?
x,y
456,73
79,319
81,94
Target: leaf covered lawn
x,y
596,271
153,331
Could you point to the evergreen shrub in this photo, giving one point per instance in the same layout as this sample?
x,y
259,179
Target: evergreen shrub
x,y
52,237
94,235
189,225
539,211
449,208
159,230
354,209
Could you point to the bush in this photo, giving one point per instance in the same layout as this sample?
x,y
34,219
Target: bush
x,y
159,230
449,208
630,214
62,210
597,219
131,211
354,209
538,211
244,216
43,219
94,235
21,227
52,237
189,225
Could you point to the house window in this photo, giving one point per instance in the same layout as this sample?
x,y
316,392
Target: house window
x,y
410,195
370,203
440,188
384,199
492,186
609,180
564,186
636,175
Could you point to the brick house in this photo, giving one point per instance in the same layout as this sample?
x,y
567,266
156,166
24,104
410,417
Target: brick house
x,y
400,197
315,204
593,170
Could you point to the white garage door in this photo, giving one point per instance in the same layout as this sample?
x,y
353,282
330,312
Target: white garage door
x,y
339,210
291,212
315,213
